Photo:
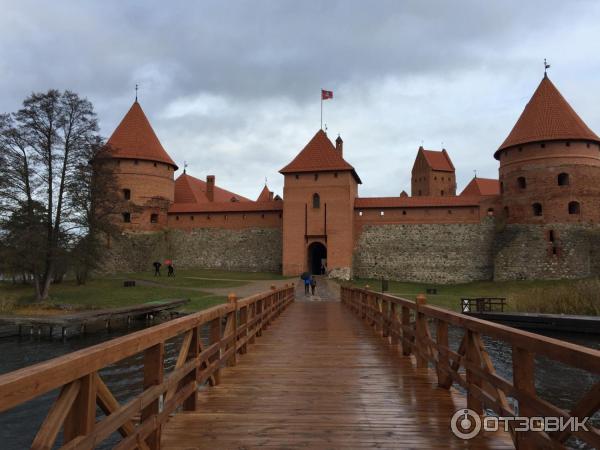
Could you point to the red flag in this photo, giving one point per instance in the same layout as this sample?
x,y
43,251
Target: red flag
x,y
326,95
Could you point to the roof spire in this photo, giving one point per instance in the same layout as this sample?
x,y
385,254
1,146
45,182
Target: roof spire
x,y
185,164
265,181
136,91
546,67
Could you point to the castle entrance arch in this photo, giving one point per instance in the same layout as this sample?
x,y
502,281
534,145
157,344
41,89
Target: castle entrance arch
x,y
317,256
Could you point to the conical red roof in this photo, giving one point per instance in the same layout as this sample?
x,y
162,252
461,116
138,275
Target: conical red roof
x,y
319,155
547,116
265,195
134,138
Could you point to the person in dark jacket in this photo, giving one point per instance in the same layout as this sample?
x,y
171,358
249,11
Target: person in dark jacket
x,y
307,285
156,265
313,285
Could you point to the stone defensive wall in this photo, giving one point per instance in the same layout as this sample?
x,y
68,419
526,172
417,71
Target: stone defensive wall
x,y
248,249
550,251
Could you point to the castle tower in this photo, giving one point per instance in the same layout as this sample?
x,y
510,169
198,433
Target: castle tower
x,y
550,163
319,192
144,173
433,174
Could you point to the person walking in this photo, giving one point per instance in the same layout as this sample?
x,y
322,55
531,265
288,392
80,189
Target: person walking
x,y
171,270
313,285
307,285
156,265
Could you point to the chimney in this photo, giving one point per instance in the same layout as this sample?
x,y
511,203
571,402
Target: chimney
x,y
210,188
339,145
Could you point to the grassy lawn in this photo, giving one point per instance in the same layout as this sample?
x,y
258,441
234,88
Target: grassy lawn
x,y
108,292
449,295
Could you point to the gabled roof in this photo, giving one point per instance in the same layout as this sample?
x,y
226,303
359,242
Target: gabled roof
x,y
319,155
134,138
481,186
192,190
438,160
415,202
547,116
265,195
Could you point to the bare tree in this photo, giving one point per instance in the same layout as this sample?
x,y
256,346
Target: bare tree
x,y
48,147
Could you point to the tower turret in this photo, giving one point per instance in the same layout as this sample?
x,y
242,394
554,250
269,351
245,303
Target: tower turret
x,y
144,172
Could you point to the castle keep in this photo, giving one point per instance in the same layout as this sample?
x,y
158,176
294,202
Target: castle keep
x,y
538,220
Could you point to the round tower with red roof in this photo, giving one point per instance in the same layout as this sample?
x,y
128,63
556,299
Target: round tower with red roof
x,y
144,173
550,164
550,192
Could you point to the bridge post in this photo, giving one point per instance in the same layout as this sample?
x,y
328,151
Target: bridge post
x,y
393,324
443,363
191,403
82,415
405,337
232,328
473,359
244,322
421,324
524,381
215,336
153,375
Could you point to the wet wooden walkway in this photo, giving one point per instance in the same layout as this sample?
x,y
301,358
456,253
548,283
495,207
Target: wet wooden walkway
x,y
320,378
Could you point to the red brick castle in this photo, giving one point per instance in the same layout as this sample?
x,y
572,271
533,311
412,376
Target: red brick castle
x,y
539,220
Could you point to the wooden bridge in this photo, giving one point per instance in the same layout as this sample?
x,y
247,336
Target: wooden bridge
x,y
371,371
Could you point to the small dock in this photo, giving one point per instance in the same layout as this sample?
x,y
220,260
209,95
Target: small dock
x,y
543,322
79,321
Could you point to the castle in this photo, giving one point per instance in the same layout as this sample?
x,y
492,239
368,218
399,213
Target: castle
x,y
538,220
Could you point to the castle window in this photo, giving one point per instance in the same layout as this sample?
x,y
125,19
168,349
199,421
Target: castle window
x,y
316,201
521,182
587,145
574,208
136,162
435,178
537,209
335,175
316,176
449,211
568,144
382,213
191,217
243,216
551,236
154,164
403,213
563,179
297,177
126,217
153,218
506,212
225,217
442,192
543,145
490,211
520,149
262,216
208,217
176,217
127,194
501,187
360,213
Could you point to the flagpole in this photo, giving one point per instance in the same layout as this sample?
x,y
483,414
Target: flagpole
x,y
321,109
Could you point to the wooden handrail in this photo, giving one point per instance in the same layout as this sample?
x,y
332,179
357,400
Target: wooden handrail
x,y
233,326
408,323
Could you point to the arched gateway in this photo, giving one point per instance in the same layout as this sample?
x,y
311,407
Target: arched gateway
x,y
317,257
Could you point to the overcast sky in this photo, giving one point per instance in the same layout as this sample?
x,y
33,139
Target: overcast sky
x,y
233,87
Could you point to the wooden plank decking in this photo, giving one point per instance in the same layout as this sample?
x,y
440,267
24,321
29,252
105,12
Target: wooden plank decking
x,y
320,378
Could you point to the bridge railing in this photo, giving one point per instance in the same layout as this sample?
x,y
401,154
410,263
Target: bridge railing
x,y
409,324
232,326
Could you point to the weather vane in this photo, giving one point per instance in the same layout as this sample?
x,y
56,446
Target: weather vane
x,y
185,164
475,172
136,91
265,181
546,66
